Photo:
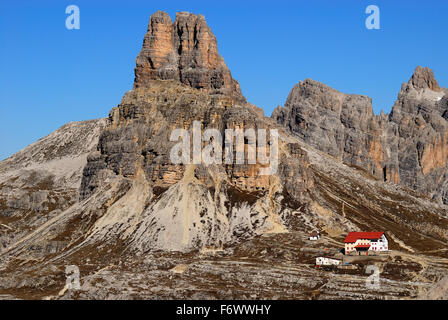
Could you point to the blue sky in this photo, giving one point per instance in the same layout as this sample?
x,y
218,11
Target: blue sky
x,y
50,75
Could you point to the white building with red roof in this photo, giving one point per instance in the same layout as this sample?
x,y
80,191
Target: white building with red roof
x,y
363,242
328,261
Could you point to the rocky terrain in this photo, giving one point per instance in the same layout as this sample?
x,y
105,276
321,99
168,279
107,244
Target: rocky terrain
x,y
42,180
103,195
409,146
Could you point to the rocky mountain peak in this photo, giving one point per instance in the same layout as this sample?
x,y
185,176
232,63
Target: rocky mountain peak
x,y
408,147
423,78
186,51
342,125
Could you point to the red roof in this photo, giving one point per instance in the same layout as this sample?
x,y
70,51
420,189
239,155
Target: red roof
x,y
353,236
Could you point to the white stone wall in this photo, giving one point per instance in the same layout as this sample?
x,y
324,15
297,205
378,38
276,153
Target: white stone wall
x,y
323,261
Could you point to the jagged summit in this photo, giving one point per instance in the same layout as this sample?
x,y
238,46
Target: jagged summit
x,y
409,146
186,51
422,91
423,78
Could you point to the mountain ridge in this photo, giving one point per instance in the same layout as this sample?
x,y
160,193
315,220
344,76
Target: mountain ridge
x,y
130,219
345,126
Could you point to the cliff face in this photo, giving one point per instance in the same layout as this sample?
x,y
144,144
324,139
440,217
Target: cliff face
x,y
421,135
407,147
342,125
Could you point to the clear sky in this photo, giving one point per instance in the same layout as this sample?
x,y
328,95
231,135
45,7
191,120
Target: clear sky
x,y
50,75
